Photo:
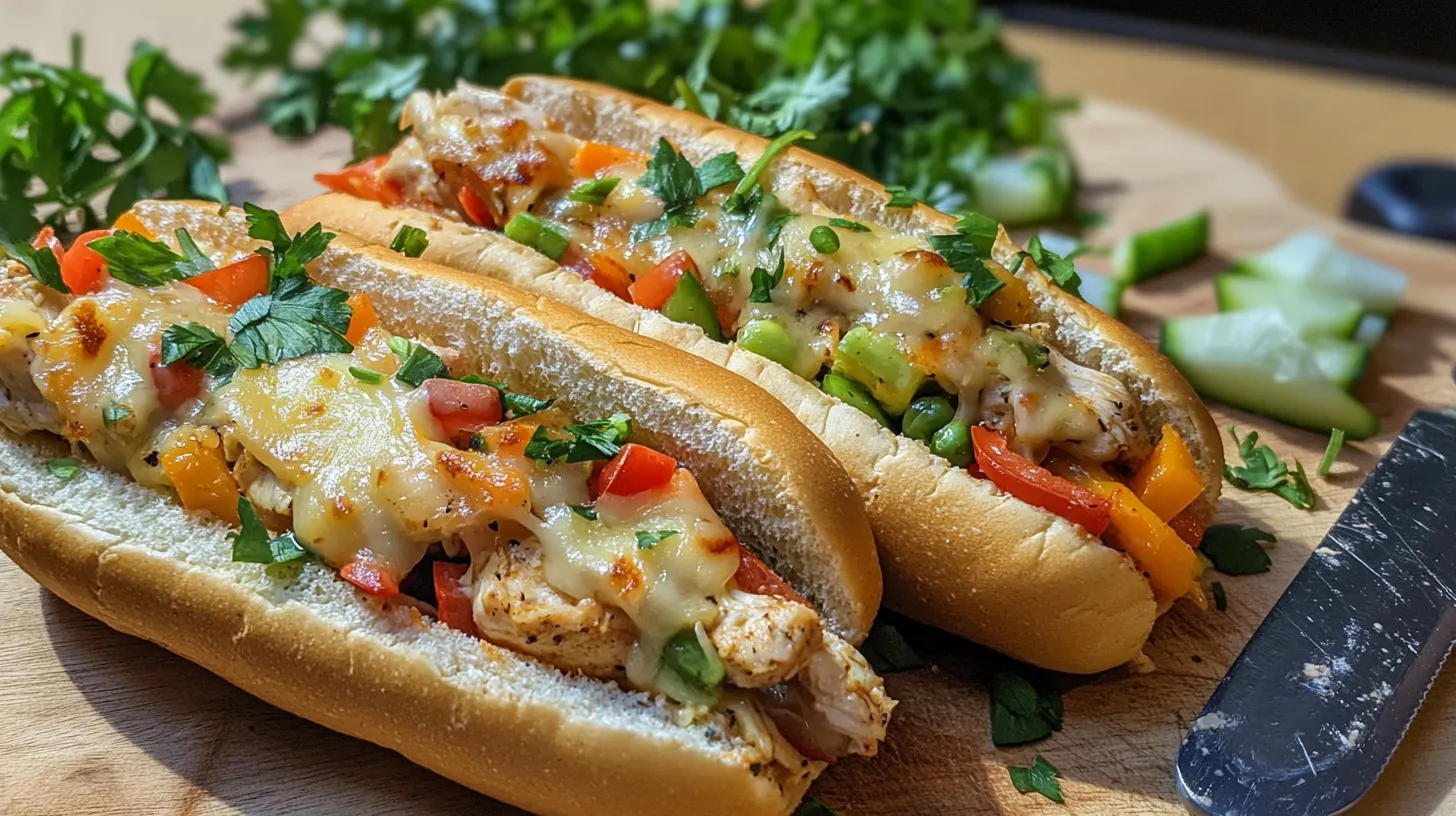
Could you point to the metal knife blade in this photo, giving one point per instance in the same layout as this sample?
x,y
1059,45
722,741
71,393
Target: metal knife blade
x,y
1313,708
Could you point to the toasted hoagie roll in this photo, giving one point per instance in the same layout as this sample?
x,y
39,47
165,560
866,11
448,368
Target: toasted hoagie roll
x,y
525,549
1037,475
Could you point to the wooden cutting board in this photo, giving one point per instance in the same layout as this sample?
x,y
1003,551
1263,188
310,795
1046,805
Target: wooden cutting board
x,y
98,722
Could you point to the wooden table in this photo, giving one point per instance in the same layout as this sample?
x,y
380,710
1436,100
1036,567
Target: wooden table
x,y
102,723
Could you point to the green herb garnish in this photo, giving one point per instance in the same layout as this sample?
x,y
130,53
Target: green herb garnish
x,y
717,171
845,223
1041,778
1237,550
966,251
887,651
251,545
410,241
1020,714
1220,598
364,375
594,191
584,442
64,468
899,197
739,200
1263,470
1332,451
416,362
114,413
138,260
588,513
1060,269
647,539
764,282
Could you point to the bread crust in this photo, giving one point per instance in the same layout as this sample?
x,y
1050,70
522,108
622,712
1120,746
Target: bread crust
x,y
495,721
956,552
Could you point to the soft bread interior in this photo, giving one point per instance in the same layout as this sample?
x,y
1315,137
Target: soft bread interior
x,y
1084,334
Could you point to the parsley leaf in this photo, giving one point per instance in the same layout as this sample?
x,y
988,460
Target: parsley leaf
x,y
1263,470
1041,778
42,263
410,241
900,197
115,413
289,254
717,171
1020,714
138,260
296,319
1237,550
198,346
594,191
584,442
776,227
966,251
1061,270
515,402
671,177
764,282
544,446
195,261
887,651
586,512
416,362
251,545
845,223
647,539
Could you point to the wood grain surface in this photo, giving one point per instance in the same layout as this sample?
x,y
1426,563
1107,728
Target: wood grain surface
x,y
99,722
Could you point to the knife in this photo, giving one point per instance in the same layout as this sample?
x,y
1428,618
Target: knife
x,y
1315,705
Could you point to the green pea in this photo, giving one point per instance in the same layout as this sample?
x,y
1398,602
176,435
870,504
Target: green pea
x,y
824,240
953,443
926,416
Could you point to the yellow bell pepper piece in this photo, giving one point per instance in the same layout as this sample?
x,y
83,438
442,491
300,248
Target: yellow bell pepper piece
x,y
1169,480
202,480
1170,564
1011,303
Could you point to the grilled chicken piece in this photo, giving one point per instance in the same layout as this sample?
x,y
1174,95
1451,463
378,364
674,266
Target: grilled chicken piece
x,y
763,640
848,693
516,608
26,307
270,497
1122,436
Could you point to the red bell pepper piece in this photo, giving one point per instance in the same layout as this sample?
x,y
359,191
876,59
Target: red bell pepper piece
x,y
363,180
234,284
370,578
452,598
755,577
476,209
462,407
654,288
176,383
47,238
634,469
1036,485
84,271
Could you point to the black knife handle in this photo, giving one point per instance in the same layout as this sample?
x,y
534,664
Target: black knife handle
x,y
1412,198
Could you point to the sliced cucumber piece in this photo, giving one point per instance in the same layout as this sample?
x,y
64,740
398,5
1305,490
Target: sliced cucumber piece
x,y
1102,292
1372,327
1255,361
1314,260
1311,313
1150,253
1341,360
1021,189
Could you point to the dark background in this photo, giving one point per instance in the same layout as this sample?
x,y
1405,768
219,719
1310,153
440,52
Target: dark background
x,y
1409,39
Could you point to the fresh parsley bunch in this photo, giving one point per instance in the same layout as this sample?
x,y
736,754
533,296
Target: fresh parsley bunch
x,y
916,93
66,141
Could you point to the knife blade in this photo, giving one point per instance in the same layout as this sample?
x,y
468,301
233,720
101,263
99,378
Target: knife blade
x,y
1311,711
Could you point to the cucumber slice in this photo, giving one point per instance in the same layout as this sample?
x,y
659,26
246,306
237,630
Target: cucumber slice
x,y
1310,313
1102,292
1255,361
1021,189
1372,327
1341,360
1148,254
1313,259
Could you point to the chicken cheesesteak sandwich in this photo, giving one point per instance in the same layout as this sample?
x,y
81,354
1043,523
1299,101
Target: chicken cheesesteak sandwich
x,y
1037,475
523,548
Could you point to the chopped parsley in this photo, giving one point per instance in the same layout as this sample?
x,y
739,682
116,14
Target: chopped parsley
x,y
583,442
887,651
114,413
1220,598
1263,471
64,468
594,191
1237,550
410,242
251,545
899,196
966,251
515,402
586,512
1060,269
646,539
416,362
1019,713
764,282
289,254
1040,778
139,260
745,196
717,171
845,223
42,262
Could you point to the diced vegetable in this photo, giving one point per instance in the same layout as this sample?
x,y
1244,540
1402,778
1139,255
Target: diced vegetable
x,y
129,222
594,157
370,578
1309,311
201,478
176,383
1147,254
691,671
363,180
362,318
689,303
83,270
452,598
234,284
1341,360
1313,260
1036,485
475,209
876,362
462,407
926,416
607,273
1372,327
1168,480
953,443
1102,292
852,393
768,338
47,238
635,468
538,234
651,290
754,576
1188,528
1170,564
1024,188
1011,304
1255,361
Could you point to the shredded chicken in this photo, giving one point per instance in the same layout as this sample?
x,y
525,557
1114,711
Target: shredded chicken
x,y
1122,435
763,640
270,497
849,694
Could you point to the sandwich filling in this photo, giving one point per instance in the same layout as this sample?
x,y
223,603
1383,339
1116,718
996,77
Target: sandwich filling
x,y
928,334
284,408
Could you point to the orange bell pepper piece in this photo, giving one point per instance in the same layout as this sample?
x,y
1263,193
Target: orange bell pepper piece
x,y
234,284
363,319
1168,481
128,221
1170,564
1012,302
594,157
201,478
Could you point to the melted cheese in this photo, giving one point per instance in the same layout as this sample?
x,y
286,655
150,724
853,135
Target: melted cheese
x,y
664,589
368,481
